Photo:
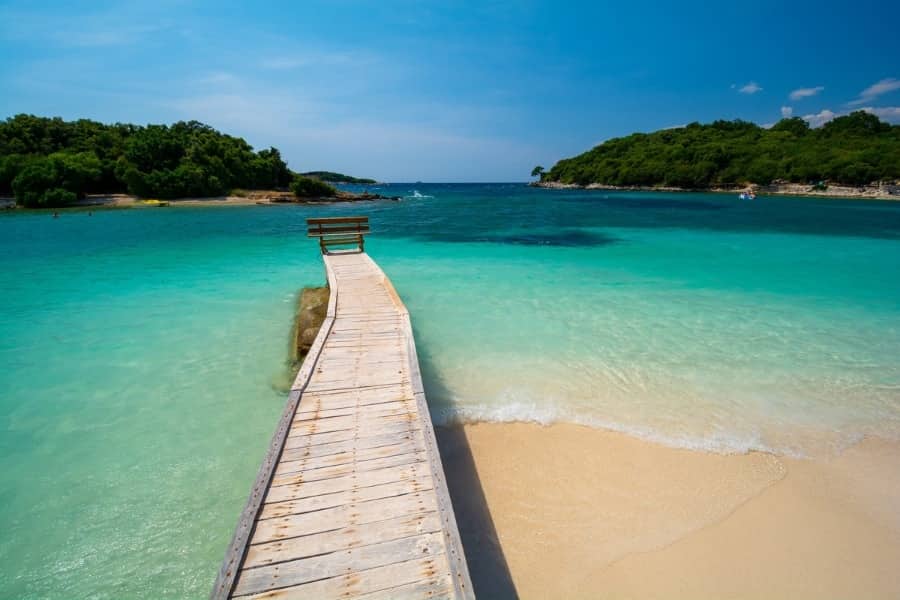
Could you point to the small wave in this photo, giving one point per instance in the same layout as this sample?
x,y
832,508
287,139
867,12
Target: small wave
x,y
717,442
418,194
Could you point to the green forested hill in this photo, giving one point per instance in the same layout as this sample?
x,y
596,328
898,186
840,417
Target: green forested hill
x,y
854,149
52,162
331,177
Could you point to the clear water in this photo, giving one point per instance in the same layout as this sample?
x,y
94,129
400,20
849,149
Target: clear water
x,y
143,351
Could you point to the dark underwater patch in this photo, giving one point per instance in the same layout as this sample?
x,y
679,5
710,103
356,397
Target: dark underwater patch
x,y
571,238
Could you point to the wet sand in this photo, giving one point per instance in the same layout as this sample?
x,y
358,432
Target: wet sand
x,y
572,512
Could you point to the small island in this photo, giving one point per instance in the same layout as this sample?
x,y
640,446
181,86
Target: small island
x,y
331,177
854,155
52,163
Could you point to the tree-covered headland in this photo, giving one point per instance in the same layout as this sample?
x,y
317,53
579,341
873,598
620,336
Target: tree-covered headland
x,y
332,177
855,149
51,162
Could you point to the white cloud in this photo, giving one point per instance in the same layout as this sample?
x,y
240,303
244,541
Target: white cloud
x,y
890,114
749,88
801,93
875,90
820,118
786,112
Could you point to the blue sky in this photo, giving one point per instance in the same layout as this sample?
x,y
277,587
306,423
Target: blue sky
x,y
446,91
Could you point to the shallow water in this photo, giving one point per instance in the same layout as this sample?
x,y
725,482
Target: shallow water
x,y
144,351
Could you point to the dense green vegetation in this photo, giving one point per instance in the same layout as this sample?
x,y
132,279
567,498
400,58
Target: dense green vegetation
x,y
51,162
855,149
332,177
310,187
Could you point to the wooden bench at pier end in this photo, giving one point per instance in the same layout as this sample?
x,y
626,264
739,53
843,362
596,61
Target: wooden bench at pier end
x,y
339,231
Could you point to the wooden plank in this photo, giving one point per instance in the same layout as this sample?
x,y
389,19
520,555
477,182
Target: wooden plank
x,y
369,581
252,581
372,422
327,220
352,536
437,587
370,411
337,230
355,442
360,494
303,441
347,482
322,473
352,456
372,391
336,408
329,519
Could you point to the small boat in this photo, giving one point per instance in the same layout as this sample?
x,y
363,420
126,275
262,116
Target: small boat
x,y
747,196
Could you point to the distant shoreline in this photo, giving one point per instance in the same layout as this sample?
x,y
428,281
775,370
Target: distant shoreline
x,y
263,197
870,192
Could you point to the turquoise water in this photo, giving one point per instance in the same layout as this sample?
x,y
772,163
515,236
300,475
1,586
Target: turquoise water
x,y
143,351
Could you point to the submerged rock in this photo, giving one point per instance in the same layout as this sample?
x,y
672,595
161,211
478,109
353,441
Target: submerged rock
x,y
311,310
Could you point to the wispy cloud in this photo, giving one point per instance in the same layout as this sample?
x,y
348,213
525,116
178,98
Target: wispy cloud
x,y
217,78
120,26
801,93
748,88
875,90
305,58
786,112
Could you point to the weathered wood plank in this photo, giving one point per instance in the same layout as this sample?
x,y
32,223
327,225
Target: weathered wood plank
x,y
347,482
329,519
356,422
348,406
320,411
438,587
350,536
295,572
354,456
355,443
348,469
370,581
359,494
303,441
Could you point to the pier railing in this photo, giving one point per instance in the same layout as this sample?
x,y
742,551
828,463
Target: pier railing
x,y
339,231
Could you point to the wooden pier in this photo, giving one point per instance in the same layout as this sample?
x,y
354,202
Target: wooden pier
x,y
351,500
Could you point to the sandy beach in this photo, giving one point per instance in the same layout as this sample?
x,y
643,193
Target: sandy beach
x,y
566,511
249,199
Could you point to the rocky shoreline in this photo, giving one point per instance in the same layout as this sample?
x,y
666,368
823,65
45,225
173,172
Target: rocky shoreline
x,y
876,192
263,197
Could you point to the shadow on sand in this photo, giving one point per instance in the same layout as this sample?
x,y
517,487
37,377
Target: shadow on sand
x,y
484,555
